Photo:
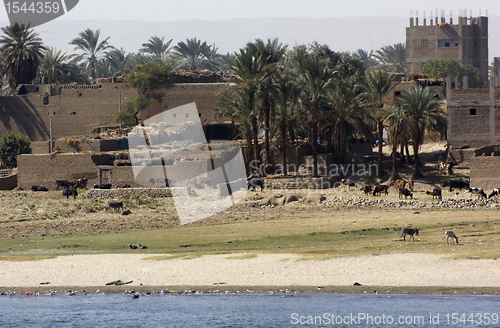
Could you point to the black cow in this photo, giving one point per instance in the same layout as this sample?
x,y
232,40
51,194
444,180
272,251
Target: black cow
x,y
38,188
380,189
102,186
63,183
116,205
70,192
254,182
454,184
405,192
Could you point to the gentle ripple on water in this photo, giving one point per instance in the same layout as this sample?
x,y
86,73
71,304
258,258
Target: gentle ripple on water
x,y
248,310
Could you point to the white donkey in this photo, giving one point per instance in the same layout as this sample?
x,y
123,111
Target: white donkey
x,y
450,234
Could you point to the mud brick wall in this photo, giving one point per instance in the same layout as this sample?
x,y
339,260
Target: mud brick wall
x,y
485,172
78,109
44,170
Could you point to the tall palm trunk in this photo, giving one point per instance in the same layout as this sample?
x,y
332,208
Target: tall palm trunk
x,y
267,109
418,173
255,133
314,123
394,176
249,152
283,144
380,145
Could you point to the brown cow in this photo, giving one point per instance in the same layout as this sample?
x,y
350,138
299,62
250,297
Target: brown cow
x,y
401,183
367,189
410,183
380,189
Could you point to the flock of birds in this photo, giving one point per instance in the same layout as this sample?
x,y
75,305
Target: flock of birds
x,y
137,247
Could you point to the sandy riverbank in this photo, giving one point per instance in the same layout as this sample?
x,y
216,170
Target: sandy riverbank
x,y
419,273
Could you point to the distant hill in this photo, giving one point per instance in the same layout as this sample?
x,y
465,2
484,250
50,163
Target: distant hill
x,y
341,34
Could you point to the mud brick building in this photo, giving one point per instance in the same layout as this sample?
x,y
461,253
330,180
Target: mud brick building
x,y
465,42
78,110
473,117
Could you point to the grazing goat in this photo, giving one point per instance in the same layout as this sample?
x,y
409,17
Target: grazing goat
x,y
410,232
380,189
348,183
435,193
207,182
102,186
63,183
81,183
116,205
405,192
450,234
254,182
494,193
70,192
38,188
479,191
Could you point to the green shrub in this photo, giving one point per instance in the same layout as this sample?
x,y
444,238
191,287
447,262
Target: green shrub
x,y
11,146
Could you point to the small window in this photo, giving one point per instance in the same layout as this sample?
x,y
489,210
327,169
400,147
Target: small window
x,y
446,44
472,111
175,115
187,115
397,94
424,43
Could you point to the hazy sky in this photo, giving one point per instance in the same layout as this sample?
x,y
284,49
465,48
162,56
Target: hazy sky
x,y
168,10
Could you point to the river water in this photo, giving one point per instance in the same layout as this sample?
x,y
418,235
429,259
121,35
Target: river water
x,y
250,310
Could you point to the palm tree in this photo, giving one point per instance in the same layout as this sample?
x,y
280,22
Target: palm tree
x,y
424,112
51,64
377,85
119,62
249,77
241,110
269,55
392,58
20,53
367,58
193,52
313,77
345,115
93,50
396,118
156,48
286,100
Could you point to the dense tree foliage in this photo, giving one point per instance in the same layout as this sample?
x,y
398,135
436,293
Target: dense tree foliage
x,y
11,146
451,68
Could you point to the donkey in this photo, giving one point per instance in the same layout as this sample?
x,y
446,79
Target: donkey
x,y
411,232
450,234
